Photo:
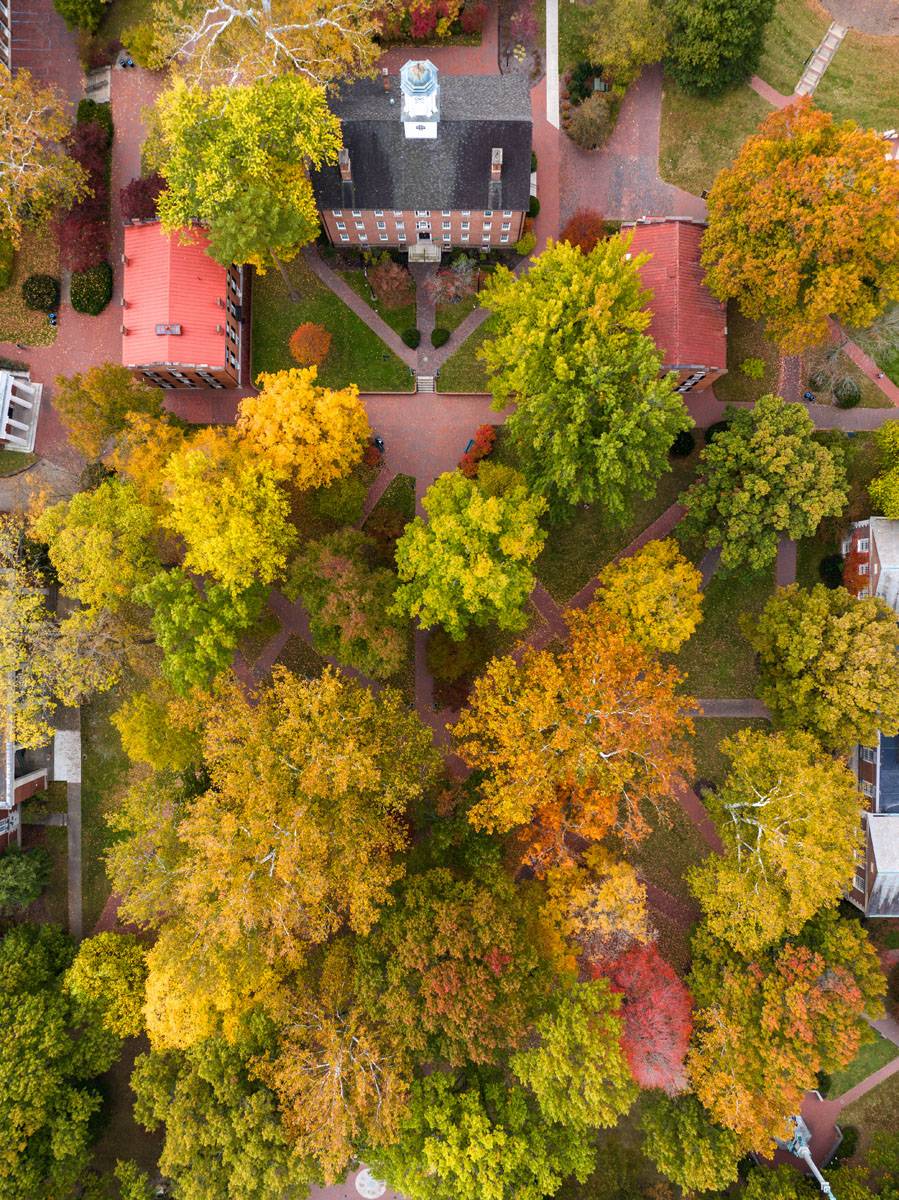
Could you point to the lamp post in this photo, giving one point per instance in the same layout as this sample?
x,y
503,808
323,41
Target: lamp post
x,y
799,1145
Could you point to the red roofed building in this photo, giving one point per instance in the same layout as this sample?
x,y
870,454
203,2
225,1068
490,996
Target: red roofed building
x,y
183,315
688,324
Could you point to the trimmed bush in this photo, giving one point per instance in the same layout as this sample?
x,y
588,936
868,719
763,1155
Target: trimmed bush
x,y
309,344
830,568
7,262
83,244
81,14
138,198
590,124
92,113
683,445
41,293
533,207
412,338
92,289
715,428
23,876
342,501
846,392
473,16
484,441
753,368
580,82
439,336
525,243
12,364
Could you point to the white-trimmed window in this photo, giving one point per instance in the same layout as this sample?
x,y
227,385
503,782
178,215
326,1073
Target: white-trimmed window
x,y
383,237
862,545
379,212
400,237
867,789
446,212
867,753
863,593
507,212
382,224
423,226
357,212
466,225
488,226
336,212
422,212
447,225
466,212
507,225
446,237
341,224
363,237
485,237
401,224
488,212
863,568
360,224
464,237
344,237
504,238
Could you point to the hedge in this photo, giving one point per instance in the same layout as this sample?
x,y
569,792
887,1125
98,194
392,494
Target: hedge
x,y
439,336
41,293
412,338
92,289
533,207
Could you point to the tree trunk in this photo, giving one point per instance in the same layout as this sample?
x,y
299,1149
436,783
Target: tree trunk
x,y
291,290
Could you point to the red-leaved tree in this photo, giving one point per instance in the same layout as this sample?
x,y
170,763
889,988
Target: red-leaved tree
x,y
584,229
657,1016
391,283
309,344
484,439
138,198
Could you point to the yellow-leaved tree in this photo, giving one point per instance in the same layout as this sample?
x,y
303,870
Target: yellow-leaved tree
x,y
656,592
307,434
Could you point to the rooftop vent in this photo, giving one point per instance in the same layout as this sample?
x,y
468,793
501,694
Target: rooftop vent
x,y
163,330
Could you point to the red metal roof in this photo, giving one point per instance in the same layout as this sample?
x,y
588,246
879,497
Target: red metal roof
x,y
688,324
171,281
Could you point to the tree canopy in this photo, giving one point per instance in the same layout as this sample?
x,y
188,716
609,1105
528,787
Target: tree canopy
x,y
829,663
469,563
796,263
657,594
687,1146
625,36
109,972
95,405
236,158
789,818
715,44
593,421
38,177
764,476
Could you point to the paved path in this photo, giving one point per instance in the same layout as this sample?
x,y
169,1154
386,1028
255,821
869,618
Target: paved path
x,y
547,143
552,62
821,59
866,364
696,811
789,378
785,565
767,92
621,181
710,563
362,310
43,45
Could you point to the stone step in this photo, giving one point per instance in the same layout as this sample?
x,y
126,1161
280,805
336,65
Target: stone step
x,y
820,60
425,383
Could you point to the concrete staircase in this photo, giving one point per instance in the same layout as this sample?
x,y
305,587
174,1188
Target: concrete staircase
x,y
425,383
820,60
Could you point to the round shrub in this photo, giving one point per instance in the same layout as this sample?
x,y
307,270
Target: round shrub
x,y
526,243
23,876
412,338
714,429
92,289
533,206
81,14
439,336
309,344
683,445
753,368
341,501
893,990
41,293
846,392
830,568
584,229
580,81
590,124
818,380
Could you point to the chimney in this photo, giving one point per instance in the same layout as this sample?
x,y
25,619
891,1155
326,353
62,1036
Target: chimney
x,y
385,79
343,161
496,164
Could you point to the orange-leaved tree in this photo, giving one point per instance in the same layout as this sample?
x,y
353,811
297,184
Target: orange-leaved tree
x,y
309,344
803,226
578,742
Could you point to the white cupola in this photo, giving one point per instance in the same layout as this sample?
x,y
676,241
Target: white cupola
x,y
421,99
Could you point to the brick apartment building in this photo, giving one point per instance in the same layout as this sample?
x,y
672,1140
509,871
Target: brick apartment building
x,y
871,557
689,325
429,163
184,316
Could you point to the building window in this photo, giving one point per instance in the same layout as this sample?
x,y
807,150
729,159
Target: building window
x,y
504,238
344,237
363,237
382,224
862,593
447,225
210,379
867,789
357,212
336,212
383,237
488,212
446,237
488,225
341,224
485,237
867,753
360,224
423,226
507,225
422,212
466,224
863,568
862,545
466,212
397,212
464,237
507,212
379,212
400,237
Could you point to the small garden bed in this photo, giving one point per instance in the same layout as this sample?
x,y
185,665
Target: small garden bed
x,y
38,255
356,356
300,658
842,367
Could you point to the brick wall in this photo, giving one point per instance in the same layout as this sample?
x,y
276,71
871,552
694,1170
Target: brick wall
x,y
392,228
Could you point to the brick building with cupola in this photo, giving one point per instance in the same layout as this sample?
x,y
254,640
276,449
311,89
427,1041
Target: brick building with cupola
x,y
429,163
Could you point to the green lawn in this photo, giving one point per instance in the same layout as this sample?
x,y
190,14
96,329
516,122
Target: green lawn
x,y
869,1059
578,549
710,763
390,516
746,339
463,371
38,255
717,660
792,34
12,461
357,355
451,316
816,359
873,1113
886,352
701,136
399,319
861,81
104,771
671,847
121,15
572,38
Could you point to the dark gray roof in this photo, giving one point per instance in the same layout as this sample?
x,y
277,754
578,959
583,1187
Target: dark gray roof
x,y
477,113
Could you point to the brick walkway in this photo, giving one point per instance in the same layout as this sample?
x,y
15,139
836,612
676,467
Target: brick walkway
x,y
785,566
767,92
43,45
